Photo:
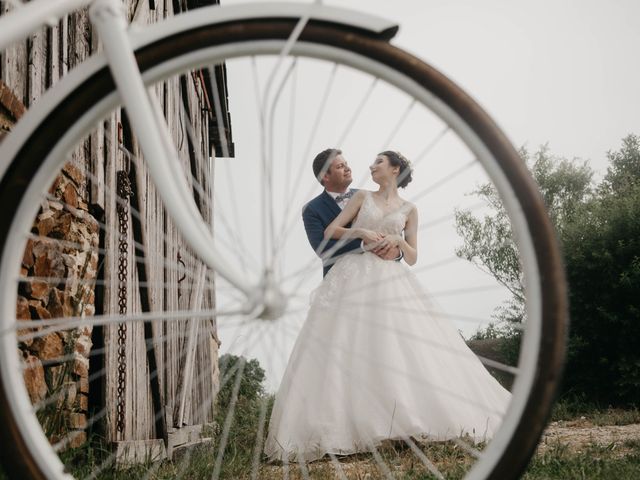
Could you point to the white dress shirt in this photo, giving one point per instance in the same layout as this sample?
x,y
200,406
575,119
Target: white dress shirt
x,y
343,202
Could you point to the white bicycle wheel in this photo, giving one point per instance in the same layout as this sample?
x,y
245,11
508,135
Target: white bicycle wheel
x,y
362,74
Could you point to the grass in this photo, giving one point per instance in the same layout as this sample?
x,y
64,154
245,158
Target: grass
x,y
592,462
556,462
573,410
619,460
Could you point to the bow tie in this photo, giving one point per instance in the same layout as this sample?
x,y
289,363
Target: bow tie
x,y
344,196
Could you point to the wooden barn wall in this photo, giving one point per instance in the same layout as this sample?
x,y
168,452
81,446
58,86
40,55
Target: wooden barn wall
x,y
29,68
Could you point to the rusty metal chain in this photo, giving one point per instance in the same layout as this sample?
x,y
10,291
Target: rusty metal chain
x,y
124,192
184,275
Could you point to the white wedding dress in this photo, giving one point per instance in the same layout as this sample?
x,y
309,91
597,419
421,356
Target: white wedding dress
x,y
373,362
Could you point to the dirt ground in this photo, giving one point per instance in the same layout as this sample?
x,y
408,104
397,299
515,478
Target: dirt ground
x,y
578,434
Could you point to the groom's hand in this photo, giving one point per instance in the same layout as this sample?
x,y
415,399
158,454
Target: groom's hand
x,y
387,253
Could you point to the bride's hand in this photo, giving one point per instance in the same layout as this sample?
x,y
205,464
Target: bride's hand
x,y
370,238
390,241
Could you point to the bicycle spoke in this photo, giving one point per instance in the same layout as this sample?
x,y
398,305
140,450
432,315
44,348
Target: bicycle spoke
x,y
134,212
290,136
102,283
306,269
161,339
423,458
236,243
448,217
226,153
206,404
425,341
456,291
59,324
419,381
444,180
337,467
431,145
467,448
288,227
499,365
269,165
370,387
228,420
312,135
106,463
356,114
303,273
302,466
394,132
257,450
382,466
57,447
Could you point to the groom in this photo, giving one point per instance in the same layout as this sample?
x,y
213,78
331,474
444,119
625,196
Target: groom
x,y
331,170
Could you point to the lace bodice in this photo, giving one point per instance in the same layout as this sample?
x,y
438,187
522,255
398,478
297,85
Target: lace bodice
x,y
372,217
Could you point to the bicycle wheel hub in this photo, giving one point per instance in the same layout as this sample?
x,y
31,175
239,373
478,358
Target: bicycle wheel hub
x,y
272,302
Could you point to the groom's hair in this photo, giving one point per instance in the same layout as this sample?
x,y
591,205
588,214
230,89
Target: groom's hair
x,y
322,162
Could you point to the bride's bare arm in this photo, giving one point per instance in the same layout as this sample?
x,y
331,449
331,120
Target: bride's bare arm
x,y
336,229
408,244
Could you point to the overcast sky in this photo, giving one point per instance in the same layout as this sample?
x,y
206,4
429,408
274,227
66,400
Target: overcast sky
x,y
566,73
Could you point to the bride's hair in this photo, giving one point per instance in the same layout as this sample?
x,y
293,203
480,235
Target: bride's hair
x,y
396,159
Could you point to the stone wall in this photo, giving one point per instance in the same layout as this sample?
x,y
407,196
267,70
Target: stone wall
x,y
58,363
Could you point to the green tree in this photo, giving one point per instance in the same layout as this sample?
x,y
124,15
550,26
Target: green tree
x,y
602,254
242,403
599,230
251,383
488,242
623,173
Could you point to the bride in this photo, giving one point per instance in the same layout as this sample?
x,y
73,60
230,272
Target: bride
x,y
373,360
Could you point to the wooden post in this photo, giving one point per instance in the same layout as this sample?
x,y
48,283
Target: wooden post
x,y
186,379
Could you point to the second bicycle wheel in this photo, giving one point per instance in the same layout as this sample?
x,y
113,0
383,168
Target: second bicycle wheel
x,y
76,379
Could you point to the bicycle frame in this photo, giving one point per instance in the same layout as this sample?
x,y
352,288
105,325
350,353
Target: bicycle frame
x,y
109,19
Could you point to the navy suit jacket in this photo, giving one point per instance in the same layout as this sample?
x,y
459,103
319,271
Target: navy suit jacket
x,y
317,215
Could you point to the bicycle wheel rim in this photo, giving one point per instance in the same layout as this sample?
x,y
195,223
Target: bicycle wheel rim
x,y
512,457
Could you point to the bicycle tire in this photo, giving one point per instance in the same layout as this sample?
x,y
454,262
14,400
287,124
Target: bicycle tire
x,y
514,457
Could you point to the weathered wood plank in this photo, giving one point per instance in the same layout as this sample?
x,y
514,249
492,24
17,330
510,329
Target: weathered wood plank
x,y
63,41
96,167
97,159
111,273
187,436
187,372
37,82
15,66
53,55
144,425
135,452
79,37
